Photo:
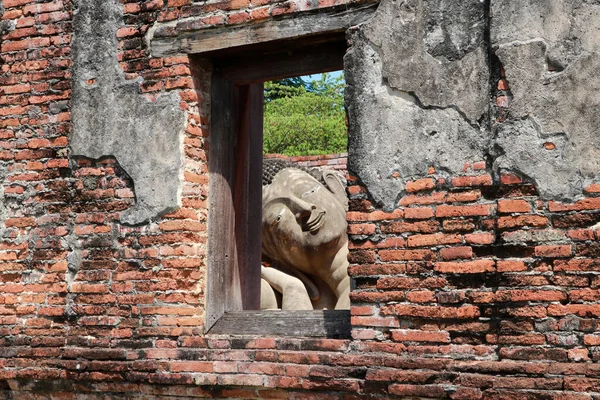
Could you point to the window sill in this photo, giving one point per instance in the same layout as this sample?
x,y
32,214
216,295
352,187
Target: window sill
x,y
331,324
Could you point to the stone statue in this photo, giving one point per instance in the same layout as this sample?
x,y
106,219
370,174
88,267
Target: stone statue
x,y
303,239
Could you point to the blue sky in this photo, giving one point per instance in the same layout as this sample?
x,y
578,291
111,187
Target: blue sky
x,y
334,74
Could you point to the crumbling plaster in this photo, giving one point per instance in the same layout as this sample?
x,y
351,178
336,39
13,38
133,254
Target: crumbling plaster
x,y
419,92
419,95
6,25
550,50
112,118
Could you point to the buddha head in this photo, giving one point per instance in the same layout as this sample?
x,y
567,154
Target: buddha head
x,y
303,218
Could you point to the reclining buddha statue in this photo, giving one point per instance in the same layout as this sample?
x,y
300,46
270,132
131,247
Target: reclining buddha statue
x,y
304,240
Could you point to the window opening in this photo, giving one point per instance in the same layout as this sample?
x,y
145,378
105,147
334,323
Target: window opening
x,y
304,204
305,116
235,200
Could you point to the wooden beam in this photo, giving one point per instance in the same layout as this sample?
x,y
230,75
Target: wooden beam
x,y
299,61
221,279
334,324
296,26
248,193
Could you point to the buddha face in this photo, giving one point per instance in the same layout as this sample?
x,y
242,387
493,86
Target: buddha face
x,y
302,222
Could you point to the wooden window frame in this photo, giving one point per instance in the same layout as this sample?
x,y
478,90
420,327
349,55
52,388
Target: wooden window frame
x,y
235,193
240,59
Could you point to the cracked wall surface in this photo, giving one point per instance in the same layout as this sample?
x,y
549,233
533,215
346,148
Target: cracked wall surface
x,y
550,50
419,92
112,118
418,88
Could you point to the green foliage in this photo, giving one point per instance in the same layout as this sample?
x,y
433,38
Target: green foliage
x,y
305,118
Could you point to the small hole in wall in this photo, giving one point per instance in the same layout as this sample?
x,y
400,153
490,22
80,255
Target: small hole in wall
x,y
554,65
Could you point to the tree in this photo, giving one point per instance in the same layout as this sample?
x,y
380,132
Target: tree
x,y
305,117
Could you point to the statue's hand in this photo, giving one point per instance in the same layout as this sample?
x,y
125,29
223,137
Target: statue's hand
x,y
294,293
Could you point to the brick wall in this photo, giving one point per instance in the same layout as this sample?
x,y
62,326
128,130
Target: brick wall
x,y
333,161
472,288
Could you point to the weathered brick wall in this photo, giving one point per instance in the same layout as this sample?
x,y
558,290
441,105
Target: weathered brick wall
x,y
471,288
481,286
332,161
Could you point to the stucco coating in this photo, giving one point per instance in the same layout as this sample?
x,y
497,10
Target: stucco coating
x,y
409,110
550,51
112,118
435,50
419,93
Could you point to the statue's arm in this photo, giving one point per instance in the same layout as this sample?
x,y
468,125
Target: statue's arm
x,y
294,293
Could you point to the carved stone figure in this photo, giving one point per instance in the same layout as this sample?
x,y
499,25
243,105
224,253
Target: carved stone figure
x,y
304,238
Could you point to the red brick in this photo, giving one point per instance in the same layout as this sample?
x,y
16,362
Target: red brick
x,y
405,255
406,335
513,206
22,222
420,185
591,340
480,180
479,238
593,188
579,355
433,240
581,234
592,203
418,213
434,198
468,267
374,216
362,310
463,196
410,283
530,295
510,266
458,225
453,253
361,229
553,251
444,211
584,295
464,312
521,221
420,296
390,322
401,227
583,310
583,264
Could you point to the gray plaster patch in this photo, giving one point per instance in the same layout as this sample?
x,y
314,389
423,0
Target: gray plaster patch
x,y
6,25
453,28
409,110
550,50
112,118
435,49
392,137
